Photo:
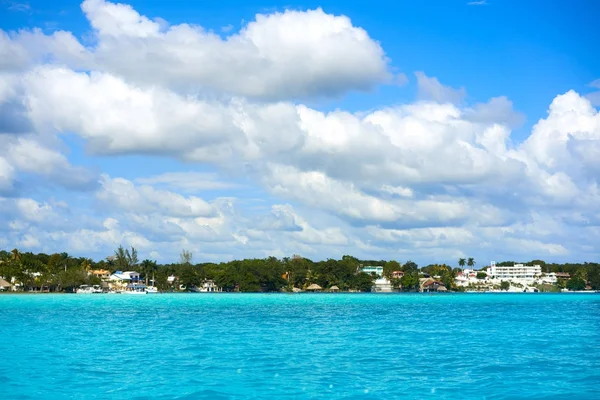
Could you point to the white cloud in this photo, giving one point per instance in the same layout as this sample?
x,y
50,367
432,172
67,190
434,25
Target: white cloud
x,y
496,110
431,89
188,181
289,54
6,175
124,195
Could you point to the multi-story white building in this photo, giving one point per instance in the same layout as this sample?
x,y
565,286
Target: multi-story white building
x,y
517,272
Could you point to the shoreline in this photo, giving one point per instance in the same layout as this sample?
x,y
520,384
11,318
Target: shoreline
x,y
306,293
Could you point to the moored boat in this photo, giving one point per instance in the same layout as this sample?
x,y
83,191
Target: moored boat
x,y
89,289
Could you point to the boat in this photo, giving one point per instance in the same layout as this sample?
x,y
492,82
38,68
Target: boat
x,y
135,288
89,289
140,288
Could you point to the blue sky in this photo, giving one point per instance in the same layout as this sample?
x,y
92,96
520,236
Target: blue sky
x,y
402,130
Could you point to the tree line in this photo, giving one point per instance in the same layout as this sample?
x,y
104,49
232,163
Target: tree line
x,y
62,272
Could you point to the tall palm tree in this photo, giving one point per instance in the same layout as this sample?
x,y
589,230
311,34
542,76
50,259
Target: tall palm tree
x,y
462,262
471,262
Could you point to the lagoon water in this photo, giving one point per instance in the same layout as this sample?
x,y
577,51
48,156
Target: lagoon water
x,y
246,346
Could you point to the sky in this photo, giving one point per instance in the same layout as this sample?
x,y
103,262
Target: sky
x,y
424,131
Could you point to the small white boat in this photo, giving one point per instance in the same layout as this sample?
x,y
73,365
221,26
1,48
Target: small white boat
x,y
89,289
135,288
152,290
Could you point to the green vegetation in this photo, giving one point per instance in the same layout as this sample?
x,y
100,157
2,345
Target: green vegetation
x,y
504,285
576,283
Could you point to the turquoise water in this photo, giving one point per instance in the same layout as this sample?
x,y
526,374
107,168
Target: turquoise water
x,y
334,346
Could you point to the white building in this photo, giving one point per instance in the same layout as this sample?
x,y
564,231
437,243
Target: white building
x,y
515,273
209,286
382,285
372,269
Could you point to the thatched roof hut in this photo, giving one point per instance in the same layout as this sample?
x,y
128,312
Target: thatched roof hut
x,y
4,285
314,287
334,289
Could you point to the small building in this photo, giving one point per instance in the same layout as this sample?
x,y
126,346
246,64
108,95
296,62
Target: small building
x,y
562,275
4,285
334,289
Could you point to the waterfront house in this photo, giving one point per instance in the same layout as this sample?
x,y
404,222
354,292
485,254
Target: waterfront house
x,y
119,280
562,275
334,289
431,285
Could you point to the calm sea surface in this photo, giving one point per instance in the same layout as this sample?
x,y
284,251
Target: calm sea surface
x,y
244,346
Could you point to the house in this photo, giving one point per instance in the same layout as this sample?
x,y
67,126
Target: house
x,y
100,273
432,285
119,280
129,276
397,274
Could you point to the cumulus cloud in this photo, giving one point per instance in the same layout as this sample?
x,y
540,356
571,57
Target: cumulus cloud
x,y
288,54
436,175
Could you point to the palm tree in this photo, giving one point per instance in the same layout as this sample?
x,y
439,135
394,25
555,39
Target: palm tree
x,y
125,259
148,266
86,264
15,255
471,262
462,262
